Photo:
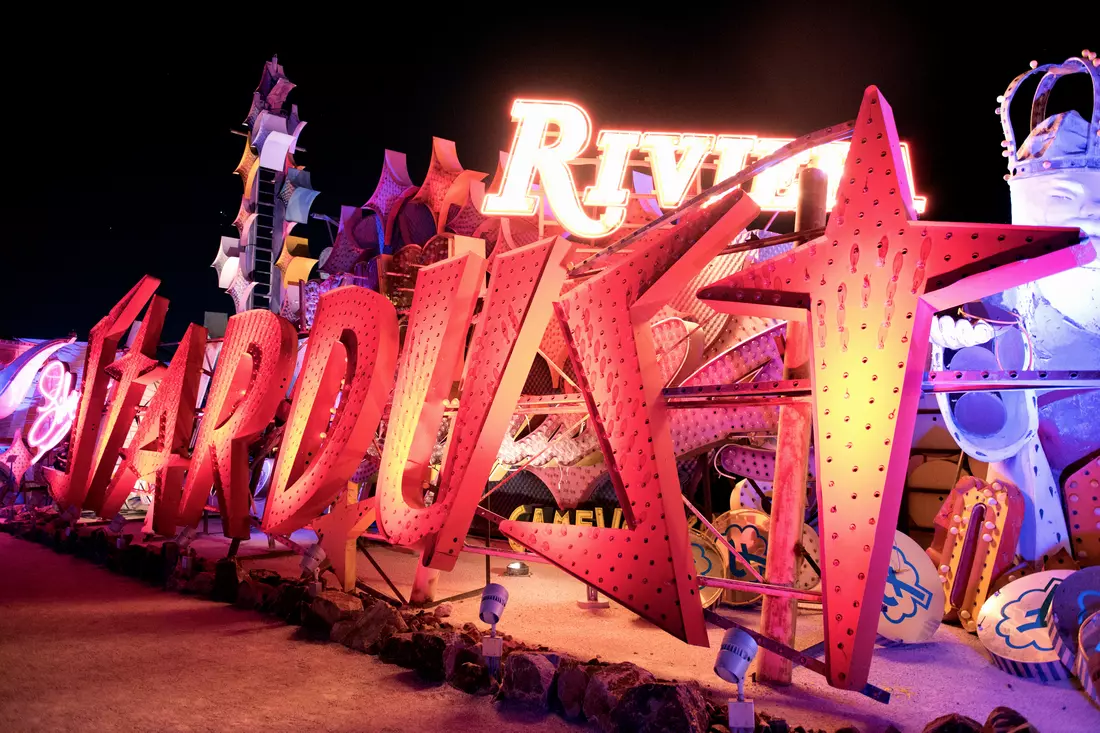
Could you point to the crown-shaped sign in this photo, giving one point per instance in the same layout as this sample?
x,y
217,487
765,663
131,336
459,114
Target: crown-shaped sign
x,y
1061,141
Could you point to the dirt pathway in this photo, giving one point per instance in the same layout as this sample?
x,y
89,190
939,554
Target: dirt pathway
x,y
82,649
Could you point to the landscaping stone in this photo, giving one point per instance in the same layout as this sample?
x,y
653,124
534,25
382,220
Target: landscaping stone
x,y
252,594
953,723
342,629
431,652
607,685
471,677
672,707
268,577
421,620
1006,720
461,649
573,677
370,629
331,606
227,577
444,610
290,602
152,565
528,679
132,560
399,649
201,585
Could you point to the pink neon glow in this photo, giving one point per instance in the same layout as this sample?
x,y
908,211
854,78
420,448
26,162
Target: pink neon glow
x,y
55,384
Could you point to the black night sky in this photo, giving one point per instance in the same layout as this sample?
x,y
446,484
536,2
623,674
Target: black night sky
x,y
119,153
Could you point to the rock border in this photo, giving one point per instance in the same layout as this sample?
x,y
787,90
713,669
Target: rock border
x,y
614,697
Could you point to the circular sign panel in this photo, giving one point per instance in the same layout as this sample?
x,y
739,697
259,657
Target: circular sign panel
x,y
912,606
709,563
1012,626
747,530
1077,598
1088,657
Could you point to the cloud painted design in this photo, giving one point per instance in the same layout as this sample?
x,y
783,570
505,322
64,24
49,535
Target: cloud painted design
x,y
1084,606
733,534
696,547
903,599
1023,616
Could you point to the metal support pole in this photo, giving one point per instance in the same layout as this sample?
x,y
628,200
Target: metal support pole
x,y
488,540
779,615
708,505
359,546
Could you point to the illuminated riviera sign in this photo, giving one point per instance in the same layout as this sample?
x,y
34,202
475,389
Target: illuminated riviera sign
x,y
551,138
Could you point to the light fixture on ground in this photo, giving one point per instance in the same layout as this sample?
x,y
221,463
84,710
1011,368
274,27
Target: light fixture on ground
x,y
493,600
734,657
517,568
311,564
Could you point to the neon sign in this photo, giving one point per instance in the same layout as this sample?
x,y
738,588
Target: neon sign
x,y
552,136
55,384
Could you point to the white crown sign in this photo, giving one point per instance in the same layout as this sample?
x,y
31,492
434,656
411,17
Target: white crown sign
x,y
1064,140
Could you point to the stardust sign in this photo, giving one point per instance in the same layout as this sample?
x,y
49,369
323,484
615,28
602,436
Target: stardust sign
x,y
356,367
551,137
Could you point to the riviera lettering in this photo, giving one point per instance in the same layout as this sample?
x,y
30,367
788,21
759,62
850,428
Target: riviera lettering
x,y
551,138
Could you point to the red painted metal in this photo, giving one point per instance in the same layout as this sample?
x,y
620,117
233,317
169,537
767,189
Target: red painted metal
x,y
431,357
337,403
648,568
522,285
133,372
1082,496
871,286
158,450
70,488
252,377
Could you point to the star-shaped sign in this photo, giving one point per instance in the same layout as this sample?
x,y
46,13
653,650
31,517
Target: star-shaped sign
x,y
869,289
339,530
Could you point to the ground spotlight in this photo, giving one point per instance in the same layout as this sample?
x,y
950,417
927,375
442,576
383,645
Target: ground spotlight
x,y
493,600
517,568
311,564
734,657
